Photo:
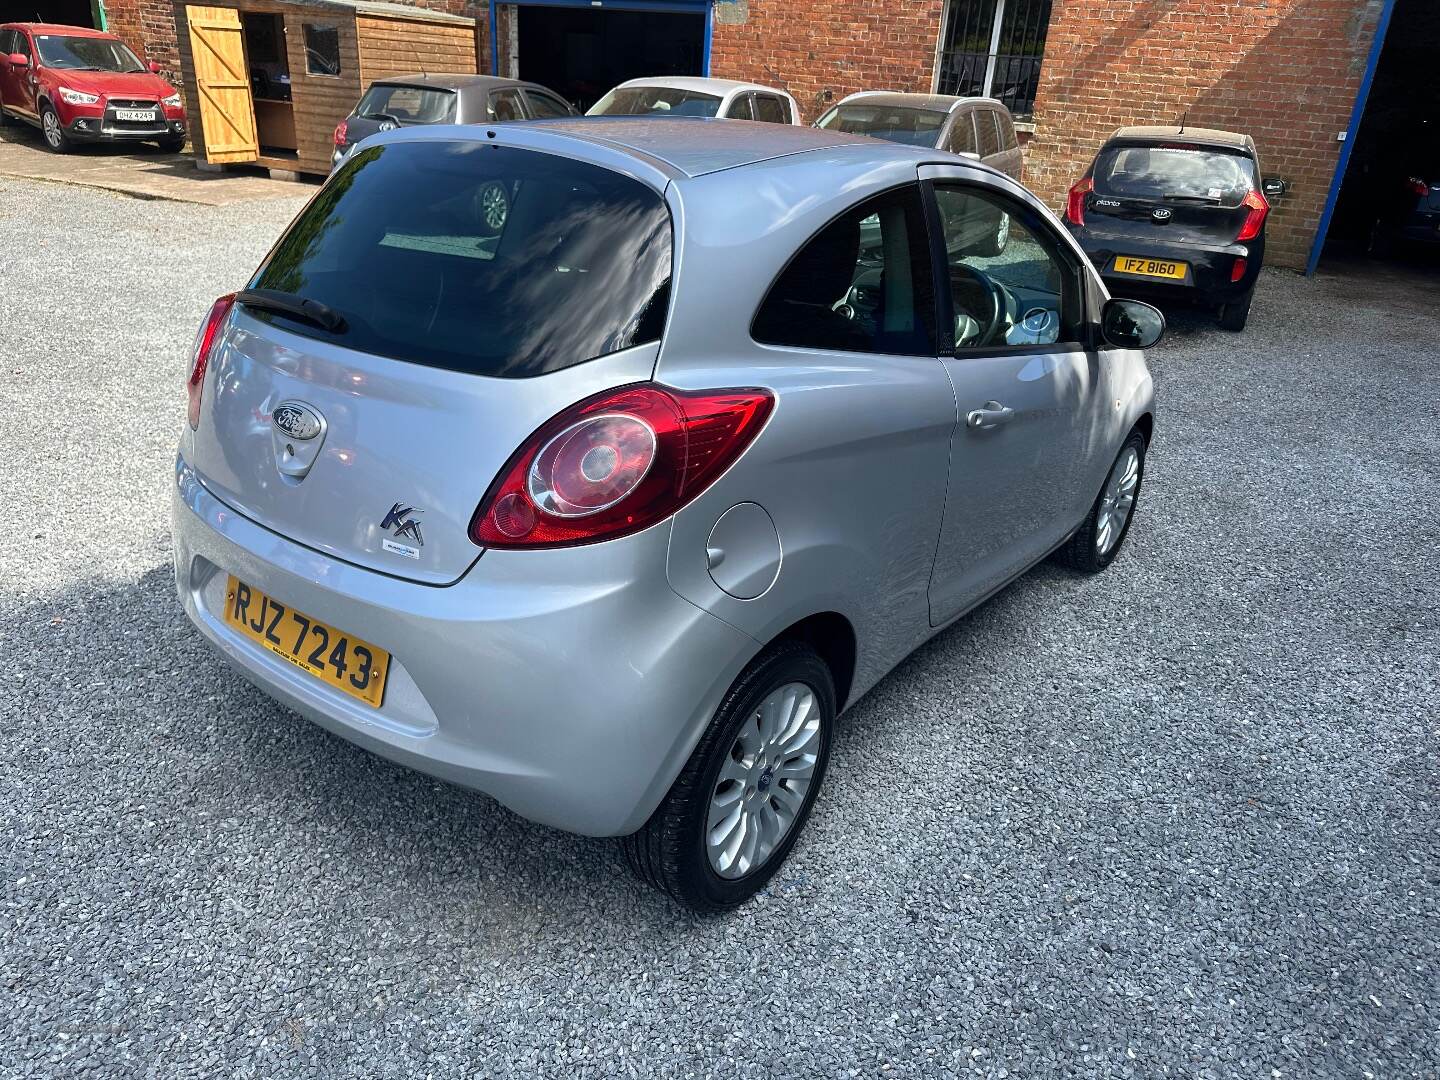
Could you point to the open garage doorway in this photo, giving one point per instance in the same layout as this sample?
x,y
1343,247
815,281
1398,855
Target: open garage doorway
x,y
1387,213
63,12
582,52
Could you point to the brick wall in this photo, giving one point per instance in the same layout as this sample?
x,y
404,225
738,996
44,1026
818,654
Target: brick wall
x,y
821,50
1286,71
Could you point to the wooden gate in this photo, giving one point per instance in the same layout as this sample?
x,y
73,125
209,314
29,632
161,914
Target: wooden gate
x,y
227,115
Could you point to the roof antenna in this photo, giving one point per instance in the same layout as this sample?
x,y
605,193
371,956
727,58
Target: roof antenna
x,y
1183,118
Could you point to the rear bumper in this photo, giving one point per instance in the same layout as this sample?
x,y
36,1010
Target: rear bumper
x,y
1207,279
570,685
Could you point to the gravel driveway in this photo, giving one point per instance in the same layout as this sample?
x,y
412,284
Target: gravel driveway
x,y
1178,820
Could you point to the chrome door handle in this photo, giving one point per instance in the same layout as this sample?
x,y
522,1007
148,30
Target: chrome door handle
x,y
991,416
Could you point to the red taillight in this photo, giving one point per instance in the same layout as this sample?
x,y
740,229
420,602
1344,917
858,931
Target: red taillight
x,y
616,463
1255,219
341,132
1418,187
1238,270
204,342
1075,204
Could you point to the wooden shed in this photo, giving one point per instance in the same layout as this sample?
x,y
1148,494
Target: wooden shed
x,y
266,81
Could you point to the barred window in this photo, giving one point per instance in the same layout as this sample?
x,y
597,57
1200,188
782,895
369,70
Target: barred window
x,y
993,48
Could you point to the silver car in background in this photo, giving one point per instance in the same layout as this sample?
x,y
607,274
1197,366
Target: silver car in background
x,y
610,513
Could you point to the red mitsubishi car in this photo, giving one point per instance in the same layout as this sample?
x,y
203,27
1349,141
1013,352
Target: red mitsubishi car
x,y
81,85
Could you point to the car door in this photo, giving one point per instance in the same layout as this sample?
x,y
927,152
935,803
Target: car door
x,y
1014,323
21,79
7,46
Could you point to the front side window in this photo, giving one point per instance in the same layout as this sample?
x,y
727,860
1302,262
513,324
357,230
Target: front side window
x,y
769,109
407,104
655,101
505,105
322,50
1174,171
473,257
901,124
545,106
863,284
986,132
1009,283
85,53
962,135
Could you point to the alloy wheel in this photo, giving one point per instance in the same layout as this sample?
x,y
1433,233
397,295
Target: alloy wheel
x,y
1117,500
51,123
494,206
763,783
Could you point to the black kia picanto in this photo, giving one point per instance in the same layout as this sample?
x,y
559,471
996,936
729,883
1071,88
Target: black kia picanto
x,y
1176,213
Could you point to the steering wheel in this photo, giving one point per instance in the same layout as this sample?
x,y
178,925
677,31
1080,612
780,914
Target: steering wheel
x,y
988,297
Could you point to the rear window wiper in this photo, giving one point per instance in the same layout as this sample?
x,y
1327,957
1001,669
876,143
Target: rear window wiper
x,y
1212,199
294,307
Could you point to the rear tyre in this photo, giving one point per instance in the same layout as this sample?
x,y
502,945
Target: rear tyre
x,y
54,132
738,806
1097,542
1235,314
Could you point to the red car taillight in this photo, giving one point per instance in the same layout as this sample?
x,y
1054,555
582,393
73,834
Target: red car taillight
x,y
204,342
1075,204
341,132
616,463
1418,187
1255,219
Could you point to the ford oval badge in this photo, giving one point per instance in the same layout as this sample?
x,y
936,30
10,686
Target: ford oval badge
x,y
296,420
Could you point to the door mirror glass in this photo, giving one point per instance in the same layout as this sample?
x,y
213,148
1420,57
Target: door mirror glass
x,y
19,59
154,68
1131,324
1274,187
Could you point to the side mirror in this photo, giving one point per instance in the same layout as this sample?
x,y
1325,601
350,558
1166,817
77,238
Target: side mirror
x,y
154,68
1274,187
18,59
1131,324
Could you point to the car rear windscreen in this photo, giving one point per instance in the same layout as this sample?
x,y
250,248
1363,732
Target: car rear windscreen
x,y
478,258
655,101
1173,171
914,127
407,104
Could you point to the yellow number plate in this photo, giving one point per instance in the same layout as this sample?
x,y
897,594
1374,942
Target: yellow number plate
x,y
1128,264
332,656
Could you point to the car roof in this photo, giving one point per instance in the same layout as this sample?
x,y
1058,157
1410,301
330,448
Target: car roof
x,y
694,146
1233,140
927,102
718,87
57,28
447,80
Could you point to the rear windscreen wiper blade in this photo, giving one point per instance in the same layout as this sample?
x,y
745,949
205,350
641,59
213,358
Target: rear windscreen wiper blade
x,y
1190,198
294,307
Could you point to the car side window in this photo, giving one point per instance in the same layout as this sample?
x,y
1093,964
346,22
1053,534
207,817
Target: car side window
x,y
962,135
505,105
769,109
740,108
1011,285
864,283
6,46
1008,140
543,105
987,132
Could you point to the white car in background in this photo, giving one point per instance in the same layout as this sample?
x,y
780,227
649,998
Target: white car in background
x,y
725,98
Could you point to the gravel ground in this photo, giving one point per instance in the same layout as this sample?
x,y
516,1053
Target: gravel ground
x,y
1179,820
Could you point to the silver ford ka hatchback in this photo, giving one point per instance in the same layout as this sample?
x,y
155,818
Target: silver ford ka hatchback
x,y
609,511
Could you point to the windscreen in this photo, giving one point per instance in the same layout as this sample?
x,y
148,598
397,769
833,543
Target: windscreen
x,y
407,104
1174,172
914,127
655,100
86,54
478,258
